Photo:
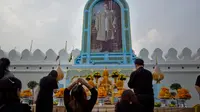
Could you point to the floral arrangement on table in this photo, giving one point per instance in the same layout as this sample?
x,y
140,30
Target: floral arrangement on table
x,y
26,93
96,75
120,82
60,93
89,78
115,75
119,93
164,93
122,77
183,93
102,93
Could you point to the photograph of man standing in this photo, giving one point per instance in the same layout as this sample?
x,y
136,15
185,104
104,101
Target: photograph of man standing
x,y
141,82
105,24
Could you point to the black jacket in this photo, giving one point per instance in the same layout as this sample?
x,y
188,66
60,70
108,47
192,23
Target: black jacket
x,y
15,107
141,81
127,107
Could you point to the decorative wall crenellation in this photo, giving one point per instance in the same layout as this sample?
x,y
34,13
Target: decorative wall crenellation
x,y
172,56
50,56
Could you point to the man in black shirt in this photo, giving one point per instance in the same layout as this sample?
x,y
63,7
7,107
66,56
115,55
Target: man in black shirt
x,y
141,82
197,84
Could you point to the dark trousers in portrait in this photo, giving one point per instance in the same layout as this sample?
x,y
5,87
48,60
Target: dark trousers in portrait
x,y
147,101
106,46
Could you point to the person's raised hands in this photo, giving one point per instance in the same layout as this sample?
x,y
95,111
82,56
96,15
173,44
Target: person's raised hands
x,y
83,82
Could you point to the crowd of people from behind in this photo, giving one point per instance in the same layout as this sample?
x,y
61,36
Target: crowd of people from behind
x,y
139,98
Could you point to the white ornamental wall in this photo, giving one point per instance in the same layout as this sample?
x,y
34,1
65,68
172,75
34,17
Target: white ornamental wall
x,y
182,67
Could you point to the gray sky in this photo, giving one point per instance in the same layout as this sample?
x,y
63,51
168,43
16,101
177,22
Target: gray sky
x,y
154,23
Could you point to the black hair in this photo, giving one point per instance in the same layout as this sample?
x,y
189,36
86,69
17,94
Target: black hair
x,y
79,98
9,90
139,61
4,64
53,73
129,96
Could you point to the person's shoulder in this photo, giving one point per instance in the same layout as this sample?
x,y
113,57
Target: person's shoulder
x,y
43,78
8,74
133,72
147,71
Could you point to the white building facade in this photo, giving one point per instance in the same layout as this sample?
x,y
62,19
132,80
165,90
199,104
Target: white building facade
x,y
182,67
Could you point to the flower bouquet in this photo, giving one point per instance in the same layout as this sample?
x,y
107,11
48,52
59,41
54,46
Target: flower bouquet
x,y
115,75
164,96
26,93
59,95
182,95
102,94
119,84
164,93
26,96
96,75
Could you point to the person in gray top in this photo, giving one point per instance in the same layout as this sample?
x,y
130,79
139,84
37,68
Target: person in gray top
x,y
4,71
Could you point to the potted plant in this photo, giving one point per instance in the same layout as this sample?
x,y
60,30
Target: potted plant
x,y
175,86
31,85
